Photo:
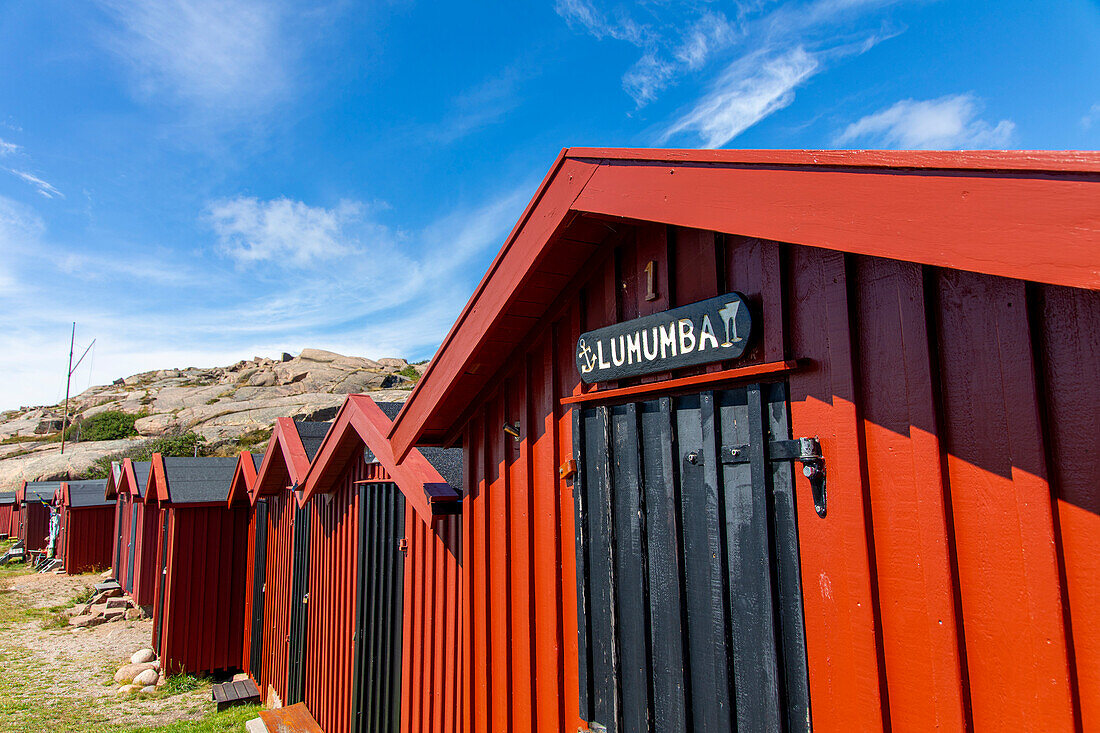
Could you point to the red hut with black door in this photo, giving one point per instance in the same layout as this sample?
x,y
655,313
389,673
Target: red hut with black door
x,y
280,532
771,439
241,497
384,572
198,613
9,515
33,500
86,526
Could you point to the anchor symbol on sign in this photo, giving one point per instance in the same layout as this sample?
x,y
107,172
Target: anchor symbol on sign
x,y
585,354
729,315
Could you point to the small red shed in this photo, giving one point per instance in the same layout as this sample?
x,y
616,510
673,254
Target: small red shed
x,y
779,439
87,522
277,614
118,534
382,639
9,515
198,613
33,500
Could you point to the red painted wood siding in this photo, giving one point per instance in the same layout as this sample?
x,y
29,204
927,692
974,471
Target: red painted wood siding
x,y
6,512
34,526
954,581
250,575
280,548
202,621
13,527
145,552
87,539
333,574
432,627
122,572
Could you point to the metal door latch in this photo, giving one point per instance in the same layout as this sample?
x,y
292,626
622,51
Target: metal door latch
x,y
806,451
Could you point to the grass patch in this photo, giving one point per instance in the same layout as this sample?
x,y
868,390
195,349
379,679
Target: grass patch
x,y
15,439
180,683
229,721
253,438
410,373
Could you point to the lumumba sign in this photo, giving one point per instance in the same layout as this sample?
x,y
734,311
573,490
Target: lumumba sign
x,y
699,333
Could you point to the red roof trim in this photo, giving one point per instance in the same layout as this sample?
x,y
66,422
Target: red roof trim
x,y
285,445
244,479
158,481
363,421
1027,215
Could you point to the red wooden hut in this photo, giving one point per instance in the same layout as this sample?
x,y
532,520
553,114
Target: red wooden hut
x,y
87,522
278,563
198,613
9,515
118,534
33,500
139,529
384,571
630,379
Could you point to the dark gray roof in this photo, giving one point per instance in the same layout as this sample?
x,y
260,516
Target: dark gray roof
x,y
391,408
312,435
7,497
198,480
88,493
141,473
257,460
41,490
448,461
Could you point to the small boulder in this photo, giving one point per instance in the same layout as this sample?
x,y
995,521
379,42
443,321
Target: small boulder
x,y
262,379
133,614
128,672
124,690
85,620
114,603
286,357
148,689
146,678
143,656
392,363
116,615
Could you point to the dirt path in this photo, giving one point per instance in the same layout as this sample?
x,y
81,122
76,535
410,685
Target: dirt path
x,y
61,679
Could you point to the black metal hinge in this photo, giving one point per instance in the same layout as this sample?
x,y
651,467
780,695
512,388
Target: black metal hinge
x,y
806,451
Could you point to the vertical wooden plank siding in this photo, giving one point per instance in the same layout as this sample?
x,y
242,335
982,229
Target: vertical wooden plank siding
x,y
954,581
35,527
249,575
145,553
6,511
334,568
201,622
1068,357
280,546
87,539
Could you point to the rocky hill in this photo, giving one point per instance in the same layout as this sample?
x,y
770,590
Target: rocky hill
x,y
230,407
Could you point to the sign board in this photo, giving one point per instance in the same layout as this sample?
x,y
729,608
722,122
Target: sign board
x,y
700,333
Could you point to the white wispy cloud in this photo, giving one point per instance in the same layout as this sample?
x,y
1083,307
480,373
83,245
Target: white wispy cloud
x,y
672,40
224,57
749,90
7,148
43,187
1091,117
250,230
949,122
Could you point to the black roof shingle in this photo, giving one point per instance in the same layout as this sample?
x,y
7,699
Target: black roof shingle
x,y
198,480
88,493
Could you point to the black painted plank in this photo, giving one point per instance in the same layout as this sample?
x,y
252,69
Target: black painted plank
x,y
632,601
756,670
394,668
601,569
665,571
581,529
259,577
704,565
792,632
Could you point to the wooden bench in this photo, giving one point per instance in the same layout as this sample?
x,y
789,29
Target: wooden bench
x,y
291,719
228,694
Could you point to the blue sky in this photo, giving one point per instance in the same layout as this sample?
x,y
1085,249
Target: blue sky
x,y
200,181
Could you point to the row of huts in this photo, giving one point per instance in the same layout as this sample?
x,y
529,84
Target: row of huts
x,y
746,440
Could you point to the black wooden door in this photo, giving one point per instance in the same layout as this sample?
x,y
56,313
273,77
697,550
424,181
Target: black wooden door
x,y
259,580
376,685
299,605
690,602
